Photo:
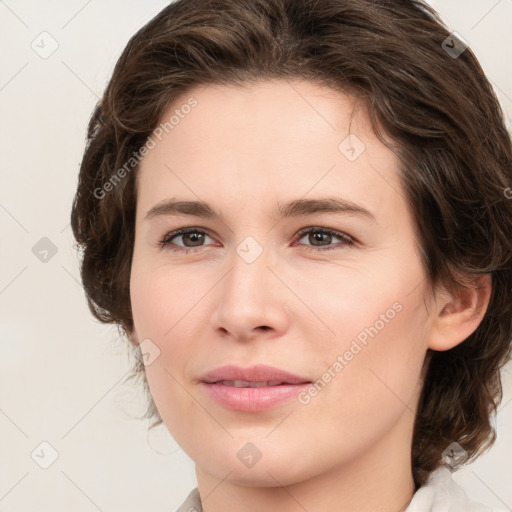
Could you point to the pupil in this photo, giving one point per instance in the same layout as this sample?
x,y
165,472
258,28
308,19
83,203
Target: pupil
x,y
197,237
319,237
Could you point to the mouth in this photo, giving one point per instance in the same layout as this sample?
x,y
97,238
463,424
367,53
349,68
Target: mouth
x,y
255,389
255,376
249,384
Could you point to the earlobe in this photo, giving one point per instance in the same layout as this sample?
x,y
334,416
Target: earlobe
x,y
458,315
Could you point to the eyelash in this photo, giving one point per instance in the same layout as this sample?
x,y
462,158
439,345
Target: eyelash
x,y
166,240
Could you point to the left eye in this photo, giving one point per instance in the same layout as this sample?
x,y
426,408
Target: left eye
x,y
319,235
315,235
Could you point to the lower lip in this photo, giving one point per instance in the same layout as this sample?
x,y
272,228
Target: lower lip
x,y
253,399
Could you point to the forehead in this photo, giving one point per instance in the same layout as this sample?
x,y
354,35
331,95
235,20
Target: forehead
x,y
269,141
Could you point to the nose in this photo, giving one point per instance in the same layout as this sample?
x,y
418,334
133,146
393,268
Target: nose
x,y
252,300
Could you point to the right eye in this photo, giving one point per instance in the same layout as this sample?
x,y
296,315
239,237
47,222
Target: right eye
x,y
190,235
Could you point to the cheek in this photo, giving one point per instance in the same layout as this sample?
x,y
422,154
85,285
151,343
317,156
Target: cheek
x,y
160,296
165,305
372,357
366,386
382,381
365,303
159,306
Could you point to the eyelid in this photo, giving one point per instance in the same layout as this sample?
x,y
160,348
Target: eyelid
x,y
166,239
346,239
331,231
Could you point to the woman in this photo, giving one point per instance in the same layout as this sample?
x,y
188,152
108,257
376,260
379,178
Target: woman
x,y
297,213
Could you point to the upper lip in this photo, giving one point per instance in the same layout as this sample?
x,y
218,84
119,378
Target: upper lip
x,y
256,373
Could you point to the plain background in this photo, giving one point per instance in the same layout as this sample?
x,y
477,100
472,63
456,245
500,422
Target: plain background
x,y
61,372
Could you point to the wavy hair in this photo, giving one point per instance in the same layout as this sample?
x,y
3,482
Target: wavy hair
x,y
438,110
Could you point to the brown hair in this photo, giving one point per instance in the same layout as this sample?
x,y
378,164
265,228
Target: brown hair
x,y
439,111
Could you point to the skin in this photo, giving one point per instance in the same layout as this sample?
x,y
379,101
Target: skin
x,y
242,150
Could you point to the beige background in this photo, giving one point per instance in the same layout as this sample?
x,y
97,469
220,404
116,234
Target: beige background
x,y
61,372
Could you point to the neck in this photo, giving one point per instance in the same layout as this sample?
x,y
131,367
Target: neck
x,y
380,480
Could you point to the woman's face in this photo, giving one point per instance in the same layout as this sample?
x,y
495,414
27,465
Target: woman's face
x,y
254,289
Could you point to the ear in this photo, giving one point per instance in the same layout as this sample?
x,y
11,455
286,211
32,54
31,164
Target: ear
x,y
457,315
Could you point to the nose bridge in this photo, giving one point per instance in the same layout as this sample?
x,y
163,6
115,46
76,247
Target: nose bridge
x,y
248,281
247,296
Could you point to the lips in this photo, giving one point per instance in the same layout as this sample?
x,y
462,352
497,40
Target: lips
x,y
255,389
253,376
249,384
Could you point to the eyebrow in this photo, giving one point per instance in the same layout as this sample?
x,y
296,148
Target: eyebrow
x,y
295,208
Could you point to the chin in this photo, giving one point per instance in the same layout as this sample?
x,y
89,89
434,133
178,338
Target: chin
x,y
274,467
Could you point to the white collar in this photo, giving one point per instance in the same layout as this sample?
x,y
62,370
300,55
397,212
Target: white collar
x,y
441,493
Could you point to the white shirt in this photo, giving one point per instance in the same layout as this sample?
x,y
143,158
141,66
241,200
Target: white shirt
x,y
440,493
